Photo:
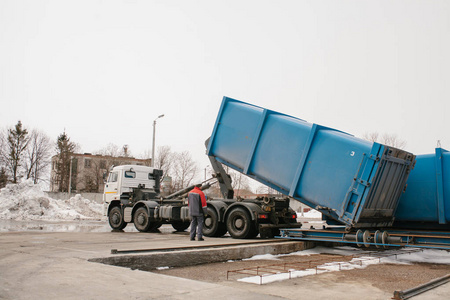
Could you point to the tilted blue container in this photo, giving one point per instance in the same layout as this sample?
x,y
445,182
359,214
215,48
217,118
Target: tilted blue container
x,y
353,181
426,202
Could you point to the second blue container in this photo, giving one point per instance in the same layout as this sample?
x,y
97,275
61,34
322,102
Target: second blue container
x,y
426,202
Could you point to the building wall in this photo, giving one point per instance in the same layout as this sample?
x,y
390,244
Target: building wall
x,y
89,171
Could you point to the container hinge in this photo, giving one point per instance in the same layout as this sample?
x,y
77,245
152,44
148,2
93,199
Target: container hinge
x,y
363,182
374,157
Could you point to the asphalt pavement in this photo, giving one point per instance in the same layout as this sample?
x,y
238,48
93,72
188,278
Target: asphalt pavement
x,y
55,265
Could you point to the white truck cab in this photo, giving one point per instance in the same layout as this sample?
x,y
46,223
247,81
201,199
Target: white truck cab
x,y
122,179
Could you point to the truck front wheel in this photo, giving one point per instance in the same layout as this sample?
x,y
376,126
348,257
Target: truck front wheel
x,y
115,218
239,224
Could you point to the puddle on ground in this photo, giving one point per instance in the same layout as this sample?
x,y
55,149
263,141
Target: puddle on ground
x,y
52,226
69,226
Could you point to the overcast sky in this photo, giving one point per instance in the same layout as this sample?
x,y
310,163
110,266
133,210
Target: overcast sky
x,y
104,70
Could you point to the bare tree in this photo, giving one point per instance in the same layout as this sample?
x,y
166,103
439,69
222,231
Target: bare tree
x,y
239,181
164,159
111,153
393,140
37,156
386,139
179,166
21,152
371,136
110,150
184,170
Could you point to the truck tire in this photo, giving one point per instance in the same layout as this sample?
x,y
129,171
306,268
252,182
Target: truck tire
x,y
180,226
221,230
115,218
141,220
211,226
240,225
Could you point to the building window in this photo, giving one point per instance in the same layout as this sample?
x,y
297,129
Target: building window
x,y
87,163
103,164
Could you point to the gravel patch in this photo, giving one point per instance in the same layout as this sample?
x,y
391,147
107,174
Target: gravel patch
x,y
386,277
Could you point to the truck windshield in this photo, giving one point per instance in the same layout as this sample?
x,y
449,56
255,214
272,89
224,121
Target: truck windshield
x,y
113,177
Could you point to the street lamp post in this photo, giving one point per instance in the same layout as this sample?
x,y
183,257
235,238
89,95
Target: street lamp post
x,y
205,171
153,144
70,176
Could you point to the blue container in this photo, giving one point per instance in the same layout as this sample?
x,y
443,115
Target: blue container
x,y
353,181
426,202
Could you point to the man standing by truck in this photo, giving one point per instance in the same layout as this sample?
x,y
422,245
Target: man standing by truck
x,y
197,211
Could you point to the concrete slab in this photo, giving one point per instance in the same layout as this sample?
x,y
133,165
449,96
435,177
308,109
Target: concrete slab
x,y
54,265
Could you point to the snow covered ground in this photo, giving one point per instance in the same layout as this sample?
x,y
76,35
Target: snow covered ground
x,y
26,201
362,261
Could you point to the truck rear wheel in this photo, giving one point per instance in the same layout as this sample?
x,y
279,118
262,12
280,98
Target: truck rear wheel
x,y
221,230
142,220
239,224
115,218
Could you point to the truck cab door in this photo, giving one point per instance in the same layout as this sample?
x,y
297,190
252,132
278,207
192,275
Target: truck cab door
x,y
111,187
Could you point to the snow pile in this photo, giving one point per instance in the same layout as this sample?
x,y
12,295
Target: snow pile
x,y
342,250
311,214
264,257
429,256
26,201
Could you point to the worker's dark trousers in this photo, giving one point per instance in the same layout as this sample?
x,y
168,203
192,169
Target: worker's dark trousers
x,y
196,223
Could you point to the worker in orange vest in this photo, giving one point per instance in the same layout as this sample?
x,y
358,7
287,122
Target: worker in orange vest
x,y
197,211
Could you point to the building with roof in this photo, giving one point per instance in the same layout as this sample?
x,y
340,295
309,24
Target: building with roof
x,y
88,171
